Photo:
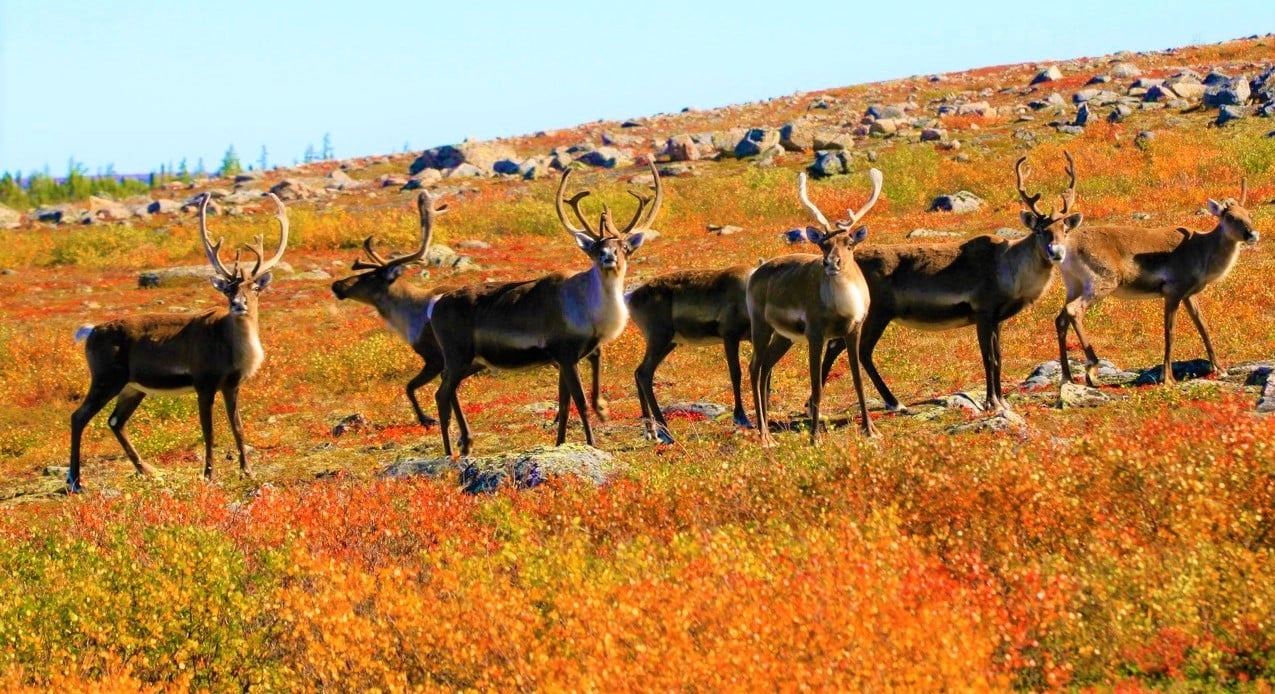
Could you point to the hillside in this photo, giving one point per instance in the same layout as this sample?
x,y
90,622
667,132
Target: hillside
x,y
1129,540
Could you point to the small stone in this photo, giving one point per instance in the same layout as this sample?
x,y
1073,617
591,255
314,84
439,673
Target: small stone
x,y
349,423
724,229
1125,71
1049,74
932,234
959,202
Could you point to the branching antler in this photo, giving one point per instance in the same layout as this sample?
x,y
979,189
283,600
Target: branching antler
x,y
877,181
1069,196
810,206
426,206
574,202
263,267
1022,172
212,250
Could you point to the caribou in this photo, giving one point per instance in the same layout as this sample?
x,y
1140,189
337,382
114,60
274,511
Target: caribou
x,y
1173,264
818,298
983,281
405,307
689,307
162,354
557,319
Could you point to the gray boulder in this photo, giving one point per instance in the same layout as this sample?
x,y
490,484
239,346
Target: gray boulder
x,y
1125,71
9,217
797,136
1076,395
932,234
1228,113
1182,370
959,202
479,154
933,134
1234,92
294,189
1049,74
682,148
1266,403
831,163
832,139
523,470
756,141
607,158
164,206
466,170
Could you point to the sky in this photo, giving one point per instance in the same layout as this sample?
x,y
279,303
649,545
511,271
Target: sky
x,y
136,84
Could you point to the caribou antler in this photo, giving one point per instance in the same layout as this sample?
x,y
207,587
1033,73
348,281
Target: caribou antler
x,y
810,206
212,250
574,202
425,205
262,267
1069,196
1022,172
877,181
642,221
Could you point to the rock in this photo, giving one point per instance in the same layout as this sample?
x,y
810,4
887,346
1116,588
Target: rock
x,y
682,148
1098,79
9,218
933,134
1215,79
1076,395
103,208
1182,370
164,206
1227,114
1187,90
797,136
959,202
1266,403
1083,95
473,245
607,158
724,229
424,179
161,276
391,180
932,234
534,167
248,176
312,275
52,215
1049,74
695,410
482,155
506,167
756,141
465,170
1082,115
1125,71
1010,234
522,470
831,163
620,140
1119,113
353,422
675,170
724,141
293,189
995,424
832,139
1070,129
1233,92
340,180
976,108
884,127
243,196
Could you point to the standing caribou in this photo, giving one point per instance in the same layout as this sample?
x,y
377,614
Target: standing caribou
x,y
557,319
811,297
1133,263
161,353
982,281
406,307
684,308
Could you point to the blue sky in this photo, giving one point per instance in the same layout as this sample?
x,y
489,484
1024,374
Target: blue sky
x,y
143,83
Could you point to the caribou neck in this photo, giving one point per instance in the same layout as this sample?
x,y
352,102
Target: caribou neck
x,y
593,301
402,306
1025,265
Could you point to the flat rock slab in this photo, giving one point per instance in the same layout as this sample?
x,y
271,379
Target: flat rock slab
x,y
696,410
997,423
1076,395
1049,374
523,469
1182,371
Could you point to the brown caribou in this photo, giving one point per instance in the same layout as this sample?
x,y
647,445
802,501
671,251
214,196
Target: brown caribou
x,y
163,353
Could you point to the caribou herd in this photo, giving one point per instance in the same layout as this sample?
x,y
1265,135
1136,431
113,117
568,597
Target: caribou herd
x,y
840,299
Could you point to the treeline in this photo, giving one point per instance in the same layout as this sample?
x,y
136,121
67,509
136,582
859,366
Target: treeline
x,y
41,188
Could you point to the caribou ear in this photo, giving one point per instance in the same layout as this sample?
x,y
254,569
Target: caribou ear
x,y
1072,222
633,241
220,283
858,235
395,272
814,235
1215,208
583,240
1028,218
262,281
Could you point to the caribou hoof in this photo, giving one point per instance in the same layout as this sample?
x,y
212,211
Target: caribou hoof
x,y
742,421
